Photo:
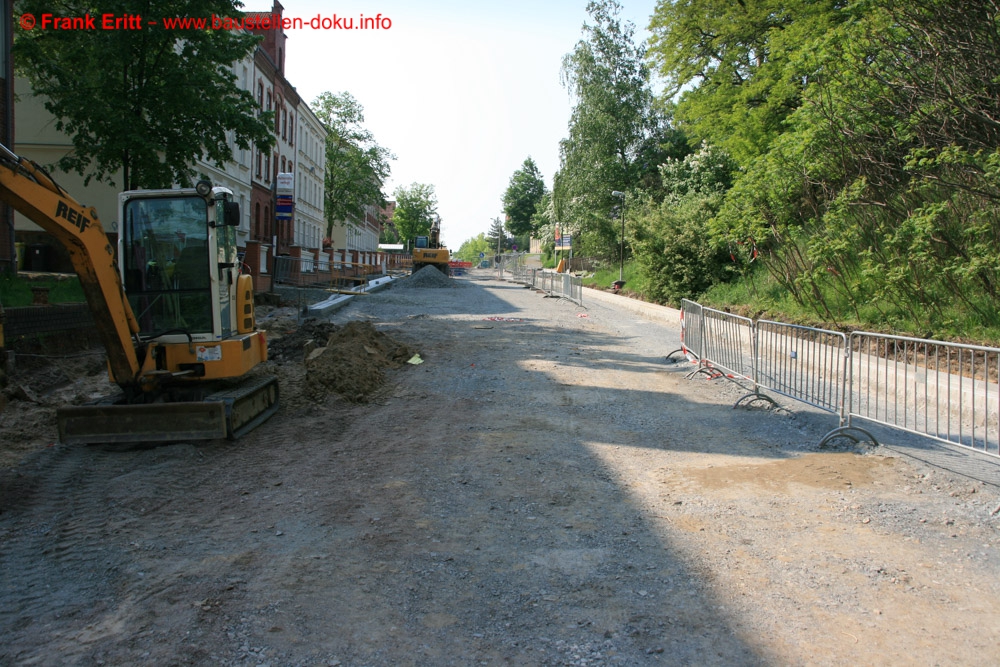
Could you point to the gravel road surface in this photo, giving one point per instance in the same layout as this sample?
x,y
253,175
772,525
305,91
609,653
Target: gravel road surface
x,y
545,488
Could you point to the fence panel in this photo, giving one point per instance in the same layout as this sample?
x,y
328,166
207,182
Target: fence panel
x,y
692,325
512,267
946,391
727,342
804,363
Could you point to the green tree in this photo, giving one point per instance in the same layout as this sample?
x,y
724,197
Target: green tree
x,y
141,106
671,241
543,222
470,249
356,166
615,135
498,236
416,208
523,194
738,64
866,146
388,234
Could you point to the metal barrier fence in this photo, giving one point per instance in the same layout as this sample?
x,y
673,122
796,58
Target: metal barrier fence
x,y
946,391
558,284
691,326
803,363
332,276
508,263
727,342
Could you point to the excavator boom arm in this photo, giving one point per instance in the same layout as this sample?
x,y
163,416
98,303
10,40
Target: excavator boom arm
x,y
26,187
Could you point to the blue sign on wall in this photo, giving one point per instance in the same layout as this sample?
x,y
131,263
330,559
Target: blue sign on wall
x,y
284,207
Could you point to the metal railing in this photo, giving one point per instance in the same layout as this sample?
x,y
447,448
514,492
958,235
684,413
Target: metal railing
x,y
946,391
338,275
691,326
803,363
557,284
727,343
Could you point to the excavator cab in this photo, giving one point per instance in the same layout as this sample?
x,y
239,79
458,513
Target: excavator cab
x,y
179,265
178,261
165,264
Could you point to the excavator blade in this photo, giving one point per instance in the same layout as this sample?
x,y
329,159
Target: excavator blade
x,y
148,422
226,414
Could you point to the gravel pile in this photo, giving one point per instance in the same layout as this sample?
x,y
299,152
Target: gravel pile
x,y
427,277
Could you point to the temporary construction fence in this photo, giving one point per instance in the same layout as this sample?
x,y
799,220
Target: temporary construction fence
x,y
946,391
803,363
691,330
331,274
511,267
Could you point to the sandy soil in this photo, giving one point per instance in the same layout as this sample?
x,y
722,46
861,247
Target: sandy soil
x,y
543,489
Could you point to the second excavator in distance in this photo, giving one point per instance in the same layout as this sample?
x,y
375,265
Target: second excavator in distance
x,y
429,251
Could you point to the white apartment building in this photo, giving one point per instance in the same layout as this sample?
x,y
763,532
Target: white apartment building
x,y
310,174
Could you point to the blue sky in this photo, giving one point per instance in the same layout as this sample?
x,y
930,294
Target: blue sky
x,y
462,93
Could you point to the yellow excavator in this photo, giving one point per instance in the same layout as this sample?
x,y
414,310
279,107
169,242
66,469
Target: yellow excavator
x,y
173,310
429,251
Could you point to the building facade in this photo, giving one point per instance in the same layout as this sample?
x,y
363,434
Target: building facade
x,y
310,171
251,174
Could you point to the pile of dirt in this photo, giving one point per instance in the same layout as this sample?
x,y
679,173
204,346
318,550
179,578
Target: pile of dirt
x,y
427,277
352,362
287,341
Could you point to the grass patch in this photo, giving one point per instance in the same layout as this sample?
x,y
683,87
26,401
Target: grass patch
x,y
604,276
15,290
759,296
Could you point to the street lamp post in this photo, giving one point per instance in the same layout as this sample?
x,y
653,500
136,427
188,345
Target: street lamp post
x,y
621,250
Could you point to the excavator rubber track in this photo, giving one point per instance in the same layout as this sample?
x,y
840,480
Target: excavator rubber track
x,y
229,413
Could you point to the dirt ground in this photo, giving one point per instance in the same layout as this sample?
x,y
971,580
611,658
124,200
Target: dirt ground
x,y
468,472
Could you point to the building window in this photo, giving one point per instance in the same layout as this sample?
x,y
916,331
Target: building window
x,y
260,95
260,158
267,169
284,124
269,100
256,222
282,165
291,130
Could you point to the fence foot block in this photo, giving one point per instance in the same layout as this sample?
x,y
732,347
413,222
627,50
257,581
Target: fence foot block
x,y
755,396
847,432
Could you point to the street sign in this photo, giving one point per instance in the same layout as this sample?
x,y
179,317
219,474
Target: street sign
x,y
284,207
285,184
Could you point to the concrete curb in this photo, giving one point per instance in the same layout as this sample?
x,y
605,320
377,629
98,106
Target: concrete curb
x,y
335,303
650,311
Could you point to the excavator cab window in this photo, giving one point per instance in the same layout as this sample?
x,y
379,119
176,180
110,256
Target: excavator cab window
x,y
166,263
